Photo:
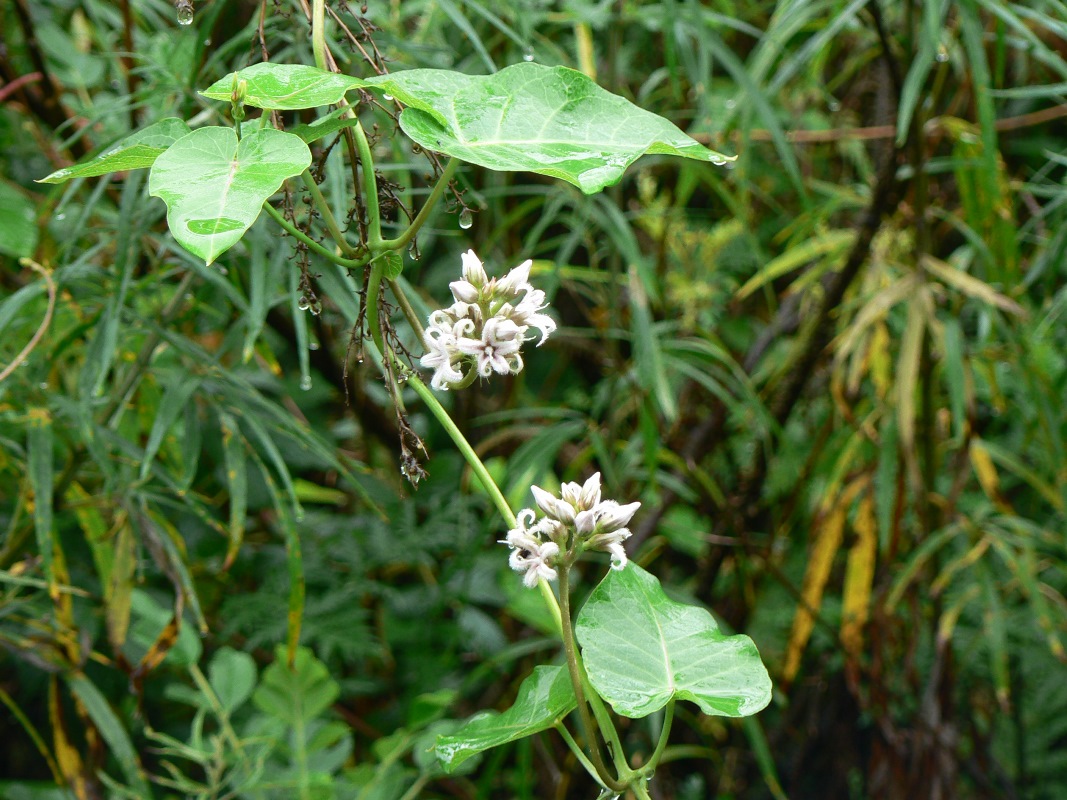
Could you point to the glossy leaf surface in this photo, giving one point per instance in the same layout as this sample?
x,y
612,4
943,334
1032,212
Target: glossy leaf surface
x,y
528,117
137,151
215,186
641,649
284,87
544,698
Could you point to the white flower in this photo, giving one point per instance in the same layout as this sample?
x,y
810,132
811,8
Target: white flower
x,y
498,348
464,292
583,497
516,281
485,327
473,271
529,554
557,509
528,313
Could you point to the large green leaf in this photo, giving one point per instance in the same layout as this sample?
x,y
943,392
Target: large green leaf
x,y
285,87
642,649
551,120
215,186
544,698
137,151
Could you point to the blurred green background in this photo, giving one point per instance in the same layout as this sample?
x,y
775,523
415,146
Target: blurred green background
x,y
833,372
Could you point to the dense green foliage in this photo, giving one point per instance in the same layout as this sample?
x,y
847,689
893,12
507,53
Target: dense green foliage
x,y
832,370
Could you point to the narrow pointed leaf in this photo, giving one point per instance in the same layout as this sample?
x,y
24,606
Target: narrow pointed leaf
x,y
215,186
137,151
528,117
284,87
544,698
641,649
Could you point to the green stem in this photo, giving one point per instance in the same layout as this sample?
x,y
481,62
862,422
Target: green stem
x,y
573,745
318,32
370,189
326,213
374,287
664,734
325,252
427,208
465,449
409,312
476,465
578,681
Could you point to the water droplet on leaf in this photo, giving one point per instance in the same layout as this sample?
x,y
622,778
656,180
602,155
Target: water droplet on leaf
x,y
466,219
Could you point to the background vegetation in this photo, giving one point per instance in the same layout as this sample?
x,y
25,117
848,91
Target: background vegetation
x,y
834,373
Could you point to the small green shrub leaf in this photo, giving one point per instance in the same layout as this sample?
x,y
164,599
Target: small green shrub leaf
x,y
232,675
215,186
394,265
544,698
137,151
284,87
553,121
296,694
642,649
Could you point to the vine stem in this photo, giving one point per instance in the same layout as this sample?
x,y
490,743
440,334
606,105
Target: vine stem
x,y
578,681
583,759
327,215
664,734
464,447
296,233
374,286
424,213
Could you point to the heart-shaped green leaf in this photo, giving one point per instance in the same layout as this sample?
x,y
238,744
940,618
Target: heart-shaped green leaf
x,y
284,87
641,649
137,151
544,698
215,186
551,120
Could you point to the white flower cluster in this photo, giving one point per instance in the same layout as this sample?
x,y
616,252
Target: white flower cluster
x,y
576,520
485,327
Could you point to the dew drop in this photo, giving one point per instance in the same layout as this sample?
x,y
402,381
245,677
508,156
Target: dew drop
x,y
60,217
731,103
223,271
315,308
466,219
313,345
942,54
387,98
528,56
43,384
413,252
305,383
717,160
184,11
833,105
303,303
